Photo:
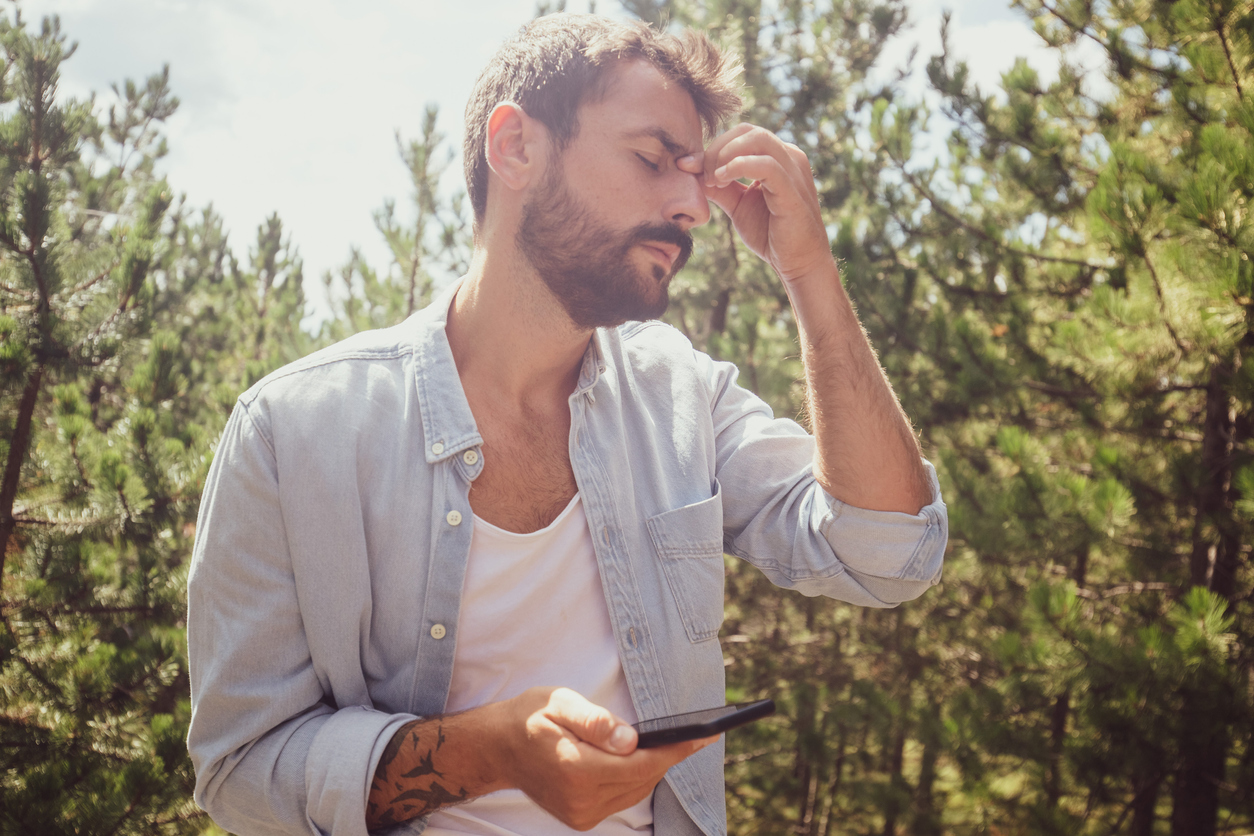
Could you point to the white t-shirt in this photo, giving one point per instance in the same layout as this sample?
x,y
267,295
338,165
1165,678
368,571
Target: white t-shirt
x,y
533,613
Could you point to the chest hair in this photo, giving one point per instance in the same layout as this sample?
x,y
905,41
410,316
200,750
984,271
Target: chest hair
x,y
527,479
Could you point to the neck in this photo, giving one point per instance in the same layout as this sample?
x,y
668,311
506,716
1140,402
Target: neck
x,y
509,335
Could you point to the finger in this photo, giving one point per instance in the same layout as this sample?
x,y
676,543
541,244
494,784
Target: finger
x,y
803,167
692,163
591,723
780,191
716,146
761,143
649,765
763,168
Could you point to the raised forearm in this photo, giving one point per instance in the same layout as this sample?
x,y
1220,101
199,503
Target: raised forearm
x,y
867,454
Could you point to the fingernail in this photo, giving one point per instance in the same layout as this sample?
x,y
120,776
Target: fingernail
x,y
686,160
620,738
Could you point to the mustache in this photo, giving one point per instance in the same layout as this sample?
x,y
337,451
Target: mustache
x,y
666,234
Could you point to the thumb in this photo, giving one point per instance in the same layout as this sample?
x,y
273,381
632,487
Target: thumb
x,y
591,723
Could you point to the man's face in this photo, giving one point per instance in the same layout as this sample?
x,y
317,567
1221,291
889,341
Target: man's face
x,y
607,229
588,265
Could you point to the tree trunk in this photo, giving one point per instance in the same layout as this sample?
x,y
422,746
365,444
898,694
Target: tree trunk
x,y
1203,744
927,820
19,444
1195,800
1057,737
1144,803
896,783
1216,541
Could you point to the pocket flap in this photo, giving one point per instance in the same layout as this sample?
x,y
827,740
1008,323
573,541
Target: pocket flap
x,y
694,530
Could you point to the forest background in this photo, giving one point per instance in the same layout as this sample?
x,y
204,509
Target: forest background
x,y
1062,295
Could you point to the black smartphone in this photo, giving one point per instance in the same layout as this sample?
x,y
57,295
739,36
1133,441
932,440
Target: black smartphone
x,y
694,724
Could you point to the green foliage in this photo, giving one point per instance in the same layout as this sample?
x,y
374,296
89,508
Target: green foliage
x,y
434,244
121,351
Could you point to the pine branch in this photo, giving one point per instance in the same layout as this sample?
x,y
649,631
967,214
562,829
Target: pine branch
x,y
1125,589
139,794
939,206
28,253
1083,31
1162,303
88,284
10,606
1232,67
732,760
53,693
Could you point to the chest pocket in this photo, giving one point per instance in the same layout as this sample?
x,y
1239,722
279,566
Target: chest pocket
x,y
689,542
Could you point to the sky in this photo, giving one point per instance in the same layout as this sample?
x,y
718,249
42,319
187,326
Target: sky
x,y
292,106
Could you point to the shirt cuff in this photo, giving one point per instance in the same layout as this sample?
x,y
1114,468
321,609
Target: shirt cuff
x,y
890,544
341,764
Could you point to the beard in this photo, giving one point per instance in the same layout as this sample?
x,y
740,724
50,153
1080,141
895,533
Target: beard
x,y
586,264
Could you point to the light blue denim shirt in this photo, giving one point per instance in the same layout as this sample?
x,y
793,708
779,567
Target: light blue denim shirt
x,y
334,529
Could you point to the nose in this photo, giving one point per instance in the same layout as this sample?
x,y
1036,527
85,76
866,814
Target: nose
x,y
687,205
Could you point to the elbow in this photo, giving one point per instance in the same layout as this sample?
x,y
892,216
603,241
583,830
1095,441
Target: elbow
x,y
889,592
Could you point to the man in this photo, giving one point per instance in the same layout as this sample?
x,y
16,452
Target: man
x,y
408,541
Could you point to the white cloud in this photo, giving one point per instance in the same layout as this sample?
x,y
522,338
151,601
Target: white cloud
x,y
291,105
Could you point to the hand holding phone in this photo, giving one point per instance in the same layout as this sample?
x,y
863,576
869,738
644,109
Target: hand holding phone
x,y
692,725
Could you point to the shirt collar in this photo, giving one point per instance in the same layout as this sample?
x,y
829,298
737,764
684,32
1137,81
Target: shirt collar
x,y
447,422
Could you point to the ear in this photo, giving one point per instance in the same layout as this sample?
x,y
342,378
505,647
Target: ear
x,y
513,152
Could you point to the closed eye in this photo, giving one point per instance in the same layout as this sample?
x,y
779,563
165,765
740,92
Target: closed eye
x,y
652,165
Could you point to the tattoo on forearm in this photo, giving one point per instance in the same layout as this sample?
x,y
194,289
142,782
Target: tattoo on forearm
x,y
397,796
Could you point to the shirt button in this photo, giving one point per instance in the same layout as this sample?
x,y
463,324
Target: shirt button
x,y
453,518
470,457
438,632
437,448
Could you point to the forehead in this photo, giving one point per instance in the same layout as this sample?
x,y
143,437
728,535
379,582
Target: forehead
x,y
640,102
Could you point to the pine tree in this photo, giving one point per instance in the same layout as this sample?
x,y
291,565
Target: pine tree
x,y
435,244
127,332
1096,291
91,698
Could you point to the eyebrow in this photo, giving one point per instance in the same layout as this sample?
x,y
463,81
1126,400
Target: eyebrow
x,y
672,145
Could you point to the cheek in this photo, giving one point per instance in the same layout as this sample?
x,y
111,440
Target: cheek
x,y
622,188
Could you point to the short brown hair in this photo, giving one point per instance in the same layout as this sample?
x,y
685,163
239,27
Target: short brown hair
x,y
558,62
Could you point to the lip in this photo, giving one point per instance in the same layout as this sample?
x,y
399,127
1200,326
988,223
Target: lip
x,y
666,252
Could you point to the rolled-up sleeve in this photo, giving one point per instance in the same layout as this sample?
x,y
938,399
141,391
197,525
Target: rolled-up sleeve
x,y
779,518
272,753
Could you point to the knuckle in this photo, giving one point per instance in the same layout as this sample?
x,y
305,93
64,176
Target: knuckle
x,y
599,725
